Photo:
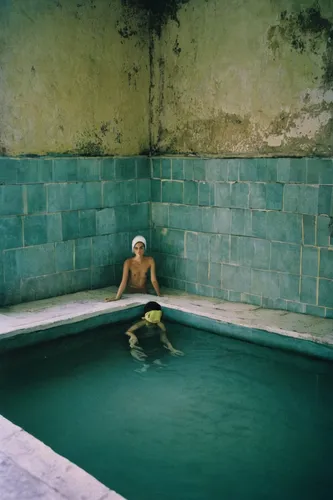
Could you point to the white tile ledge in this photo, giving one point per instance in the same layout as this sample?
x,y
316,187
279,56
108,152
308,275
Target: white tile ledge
x,y
43,314
30,469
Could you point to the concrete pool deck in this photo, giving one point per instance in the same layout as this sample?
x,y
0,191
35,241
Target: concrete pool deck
x,y
29,468
57,311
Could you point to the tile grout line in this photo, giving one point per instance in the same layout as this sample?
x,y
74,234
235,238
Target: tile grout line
x,y
317,278
74,255
23,221
300,272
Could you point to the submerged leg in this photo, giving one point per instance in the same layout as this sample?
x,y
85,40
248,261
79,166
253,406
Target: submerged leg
x,y
158,362
143,368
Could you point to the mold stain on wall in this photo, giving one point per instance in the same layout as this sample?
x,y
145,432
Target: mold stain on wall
x,y
101,77
67,68
244,79
225,130
94,142
306,31
159,12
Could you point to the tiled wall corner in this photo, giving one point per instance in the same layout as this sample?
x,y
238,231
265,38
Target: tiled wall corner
x,y
66,223
250,230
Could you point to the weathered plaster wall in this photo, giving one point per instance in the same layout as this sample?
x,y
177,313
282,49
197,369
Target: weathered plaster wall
x,y
244,77
74,77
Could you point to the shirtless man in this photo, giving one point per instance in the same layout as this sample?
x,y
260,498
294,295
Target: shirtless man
x,y
135,271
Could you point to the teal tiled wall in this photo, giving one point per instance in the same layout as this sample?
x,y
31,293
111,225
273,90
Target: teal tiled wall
x,y
249,230
66,223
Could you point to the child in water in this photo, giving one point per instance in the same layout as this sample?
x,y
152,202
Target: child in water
x,y
151,320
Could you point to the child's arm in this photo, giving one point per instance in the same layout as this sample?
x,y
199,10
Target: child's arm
x,y
136,351
163,336
133,338
166,342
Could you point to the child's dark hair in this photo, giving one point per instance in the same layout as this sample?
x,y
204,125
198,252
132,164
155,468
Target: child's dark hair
x,y
152,306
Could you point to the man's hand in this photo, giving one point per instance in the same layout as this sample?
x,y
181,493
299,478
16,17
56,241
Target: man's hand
x,y
138,353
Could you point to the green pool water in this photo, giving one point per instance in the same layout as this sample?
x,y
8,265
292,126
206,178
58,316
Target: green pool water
x,y
230,420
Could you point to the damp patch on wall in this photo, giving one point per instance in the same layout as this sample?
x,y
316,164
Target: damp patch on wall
x,y
244,78
306,31
68,70
309,128
223,131
159,11
94,142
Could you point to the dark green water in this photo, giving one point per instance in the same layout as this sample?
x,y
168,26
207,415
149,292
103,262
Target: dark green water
x,y
230,420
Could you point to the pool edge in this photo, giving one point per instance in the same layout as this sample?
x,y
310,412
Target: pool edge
x,y
257,336
189,314
12,438
42,471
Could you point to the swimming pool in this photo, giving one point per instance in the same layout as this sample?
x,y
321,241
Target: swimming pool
x,y
229,420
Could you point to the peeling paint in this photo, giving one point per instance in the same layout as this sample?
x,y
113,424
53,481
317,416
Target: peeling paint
x,y
317,96
303,126
227,131
224,93
234,134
